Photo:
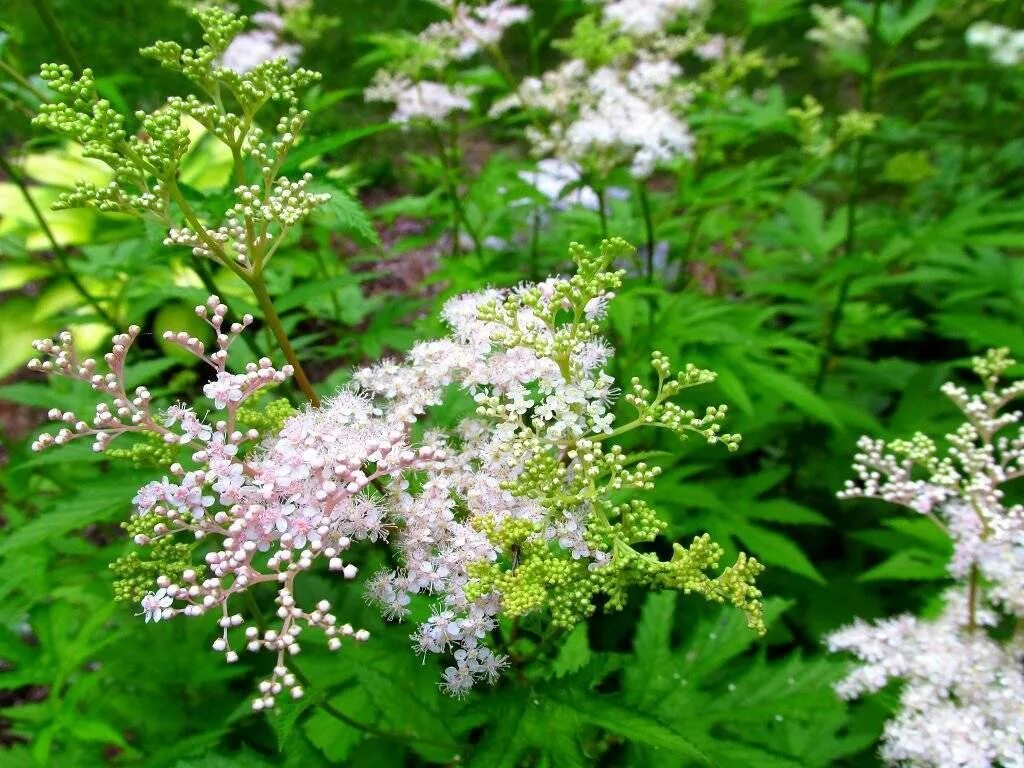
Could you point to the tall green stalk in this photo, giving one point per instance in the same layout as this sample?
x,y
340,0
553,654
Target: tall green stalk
x,y
254,279
645,207
49,19
460,220
852,203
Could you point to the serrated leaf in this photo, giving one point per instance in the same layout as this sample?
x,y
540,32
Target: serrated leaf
x,y
909,565
344,214
574,654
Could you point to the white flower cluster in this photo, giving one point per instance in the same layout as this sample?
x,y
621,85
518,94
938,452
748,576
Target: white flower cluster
x,y
1005,46
425,100
642,18
836,31
266,40
560,182
469,30
628,111
609,117
961,702
275,504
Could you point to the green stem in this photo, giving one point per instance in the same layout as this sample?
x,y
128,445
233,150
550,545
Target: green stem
x,y
691,243
58,252
49,19
458,210
21,80
853,200
254,279
602,213
273,321
535,246
645,207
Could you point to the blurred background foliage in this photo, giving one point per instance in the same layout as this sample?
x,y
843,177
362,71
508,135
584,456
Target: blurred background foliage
x,y
832,292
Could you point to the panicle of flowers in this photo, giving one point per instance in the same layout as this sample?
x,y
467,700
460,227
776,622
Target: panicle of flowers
x,y
425,100
519,518
620,98
1005,46
963,682
515,510
419,81
266,507
146,162
471,28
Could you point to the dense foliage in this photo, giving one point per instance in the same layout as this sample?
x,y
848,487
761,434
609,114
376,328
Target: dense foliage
x,y
494,427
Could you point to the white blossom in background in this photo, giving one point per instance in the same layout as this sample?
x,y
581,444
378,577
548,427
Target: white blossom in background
x,y
644,18
266,40
560,182
627,105
472,28
609,116
837,31
418,100
1004,46
962,700
421,94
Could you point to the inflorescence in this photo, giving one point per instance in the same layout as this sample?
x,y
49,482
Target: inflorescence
x,y
518,509
963,684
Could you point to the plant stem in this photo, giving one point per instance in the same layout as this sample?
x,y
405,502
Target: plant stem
x,y
49,19
691,243
273,321
58,252
458,211
21,80
853,199
254,279
601,212
645,207
535,246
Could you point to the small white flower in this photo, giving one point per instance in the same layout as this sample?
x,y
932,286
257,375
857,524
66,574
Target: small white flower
x,y
154,604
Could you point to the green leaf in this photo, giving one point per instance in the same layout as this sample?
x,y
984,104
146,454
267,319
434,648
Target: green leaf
x,y
344,214
574,653
775,549
793,392
909,565
612,714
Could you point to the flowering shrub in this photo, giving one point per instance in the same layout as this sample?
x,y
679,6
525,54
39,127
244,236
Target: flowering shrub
x,y
425,436
963,678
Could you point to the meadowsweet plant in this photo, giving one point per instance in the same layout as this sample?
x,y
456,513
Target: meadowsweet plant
x,y
231,98
1004,46
961,671
618,107
838,34
528,506
621,96
424,79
